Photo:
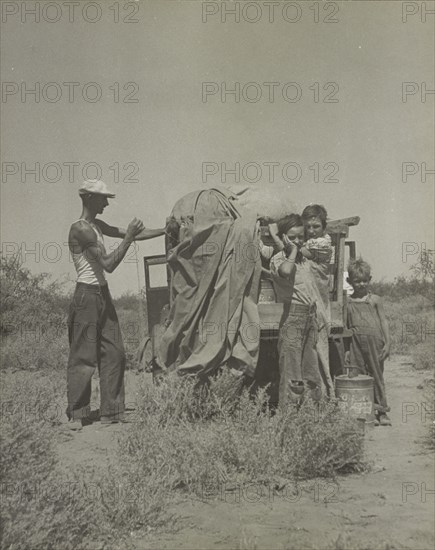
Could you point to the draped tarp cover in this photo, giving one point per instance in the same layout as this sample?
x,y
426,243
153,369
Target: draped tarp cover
x,y
215,268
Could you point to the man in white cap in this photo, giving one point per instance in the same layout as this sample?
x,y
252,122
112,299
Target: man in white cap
x,y
93,328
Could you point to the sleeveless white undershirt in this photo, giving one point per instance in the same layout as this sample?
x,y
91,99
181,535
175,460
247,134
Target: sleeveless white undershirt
x,y
89,270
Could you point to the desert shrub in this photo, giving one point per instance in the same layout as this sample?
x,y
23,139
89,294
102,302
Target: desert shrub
x,y
424,355
409,308
31,349
175,399
195,438
33,318
27,407
348,540
43,505
409,320
187,438
321,441
429,405
404,287
28,300
34,513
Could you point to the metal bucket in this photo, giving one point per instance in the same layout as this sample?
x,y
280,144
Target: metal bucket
x,y
355,397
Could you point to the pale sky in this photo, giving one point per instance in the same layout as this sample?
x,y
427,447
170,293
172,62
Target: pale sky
x,y
172,130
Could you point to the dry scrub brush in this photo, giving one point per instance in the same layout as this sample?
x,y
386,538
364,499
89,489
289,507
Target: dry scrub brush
x,y
43,505
187,440
195,438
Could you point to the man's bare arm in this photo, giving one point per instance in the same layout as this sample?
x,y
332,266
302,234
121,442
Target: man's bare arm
x,y
120,233
85,236
110,230
146,234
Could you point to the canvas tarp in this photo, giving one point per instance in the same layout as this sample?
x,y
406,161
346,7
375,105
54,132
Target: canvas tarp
x,y
266,201
215,268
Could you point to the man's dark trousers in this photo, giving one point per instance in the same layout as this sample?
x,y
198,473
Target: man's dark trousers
x,y
95,342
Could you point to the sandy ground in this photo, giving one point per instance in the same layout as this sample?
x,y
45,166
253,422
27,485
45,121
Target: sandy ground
x,y
390,507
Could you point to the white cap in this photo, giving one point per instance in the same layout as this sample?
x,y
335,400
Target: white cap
x,y
95,187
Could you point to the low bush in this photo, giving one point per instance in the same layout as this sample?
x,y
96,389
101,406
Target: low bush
x,y
198,438
30,303
410,322
409,308
424,355
35,513
187,439
429,404
43,505
32,320
35,349
404,287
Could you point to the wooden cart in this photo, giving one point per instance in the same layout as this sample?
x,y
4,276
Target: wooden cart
x,y
159,301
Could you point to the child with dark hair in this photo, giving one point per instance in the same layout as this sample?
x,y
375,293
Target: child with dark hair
x,y
370,344
318,251
295,288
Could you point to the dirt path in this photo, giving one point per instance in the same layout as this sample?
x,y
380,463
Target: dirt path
x,y
390,507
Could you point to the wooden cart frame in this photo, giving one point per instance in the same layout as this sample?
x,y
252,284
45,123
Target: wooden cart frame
x,y
159,299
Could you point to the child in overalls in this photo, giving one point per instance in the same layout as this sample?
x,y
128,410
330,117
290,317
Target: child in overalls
x,y
370,344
